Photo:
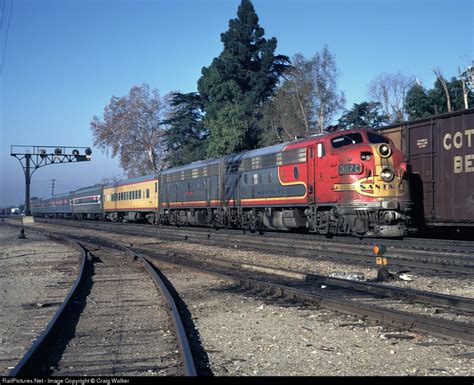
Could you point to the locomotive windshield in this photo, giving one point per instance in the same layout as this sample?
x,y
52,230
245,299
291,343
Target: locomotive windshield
x,y
347,139
375,138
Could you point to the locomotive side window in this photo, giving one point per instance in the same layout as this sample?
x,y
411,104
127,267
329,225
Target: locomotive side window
x,y
375,138
255,179
321,150
346,140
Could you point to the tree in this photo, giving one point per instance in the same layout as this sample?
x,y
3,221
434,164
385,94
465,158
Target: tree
x,y
453,88
390,91
459,94
466,78
327,99
365,114
290,113
132,128
442,81
239,81
185,139
306,101
417,102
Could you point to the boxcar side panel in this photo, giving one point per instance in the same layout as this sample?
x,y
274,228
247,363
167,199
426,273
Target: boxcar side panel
x,y
440,150
456,177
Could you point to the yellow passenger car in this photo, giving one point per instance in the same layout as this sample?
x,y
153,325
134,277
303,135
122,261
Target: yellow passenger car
x,y
133,199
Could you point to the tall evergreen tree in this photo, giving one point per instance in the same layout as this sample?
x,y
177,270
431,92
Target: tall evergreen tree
x,y
237,83
418,103
185,138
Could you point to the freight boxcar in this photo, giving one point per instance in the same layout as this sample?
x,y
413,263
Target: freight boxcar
x,y
440,150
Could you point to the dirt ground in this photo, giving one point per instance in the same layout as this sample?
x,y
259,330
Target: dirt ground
x,y
245,335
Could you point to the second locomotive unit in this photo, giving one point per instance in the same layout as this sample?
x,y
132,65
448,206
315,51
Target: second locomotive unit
x,y
347,182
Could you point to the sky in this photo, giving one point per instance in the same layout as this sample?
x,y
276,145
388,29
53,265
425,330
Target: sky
x,y
63,60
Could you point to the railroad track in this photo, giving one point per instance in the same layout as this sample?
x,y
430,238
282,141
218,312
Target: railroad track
x,y
369,301
401,256
112,322
363,299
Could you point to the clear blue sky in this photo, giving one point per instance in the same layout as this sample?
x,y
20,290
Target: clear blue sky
x,y
65,59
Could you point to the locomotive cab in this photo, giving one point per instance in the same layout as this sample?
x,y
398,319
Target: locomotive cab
x,y
365,177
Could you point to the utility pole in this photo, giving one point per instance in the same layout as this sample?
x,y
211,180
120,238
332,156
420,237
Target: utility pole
x,y
33,157
52,188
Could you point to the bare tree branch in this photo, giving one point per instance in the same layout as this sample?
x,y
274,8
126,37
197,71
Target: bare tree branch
x,y
132,129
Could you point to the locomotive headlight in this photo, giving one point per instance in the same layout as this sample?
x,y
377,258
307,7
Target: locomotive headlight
x,y
384,150
387,175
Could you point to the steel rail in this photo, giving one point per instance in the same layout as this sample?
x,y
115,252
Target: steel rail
x,y
448,263
420,296
21,369
183,341
434,243
438,327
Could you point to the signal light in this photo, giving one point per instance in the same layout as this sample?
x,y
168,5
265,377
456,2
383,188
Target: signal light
x,y
42,153
379,249
75,152
88,151
58,151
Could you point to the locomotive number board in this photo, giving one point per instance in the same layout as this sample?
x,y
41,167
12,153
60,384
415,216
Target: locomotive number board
x,y
350,169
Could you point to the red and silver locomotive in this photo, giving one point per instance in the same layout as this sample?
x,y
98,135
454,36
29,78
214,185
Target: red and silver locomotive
x,y
347,182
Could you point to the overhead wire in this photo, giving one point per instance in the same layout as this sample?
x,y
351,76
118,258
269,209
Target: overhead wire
x,y
3,14
6,36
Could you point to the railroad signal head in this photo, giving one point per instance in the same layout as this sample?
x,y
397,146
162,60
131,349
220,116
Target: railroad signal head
x,y
75,152
58,151
379,249
88,151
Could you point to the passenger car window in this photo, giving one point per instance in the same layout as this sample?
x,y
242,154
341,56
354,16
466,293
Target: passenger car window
x,y
346,140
